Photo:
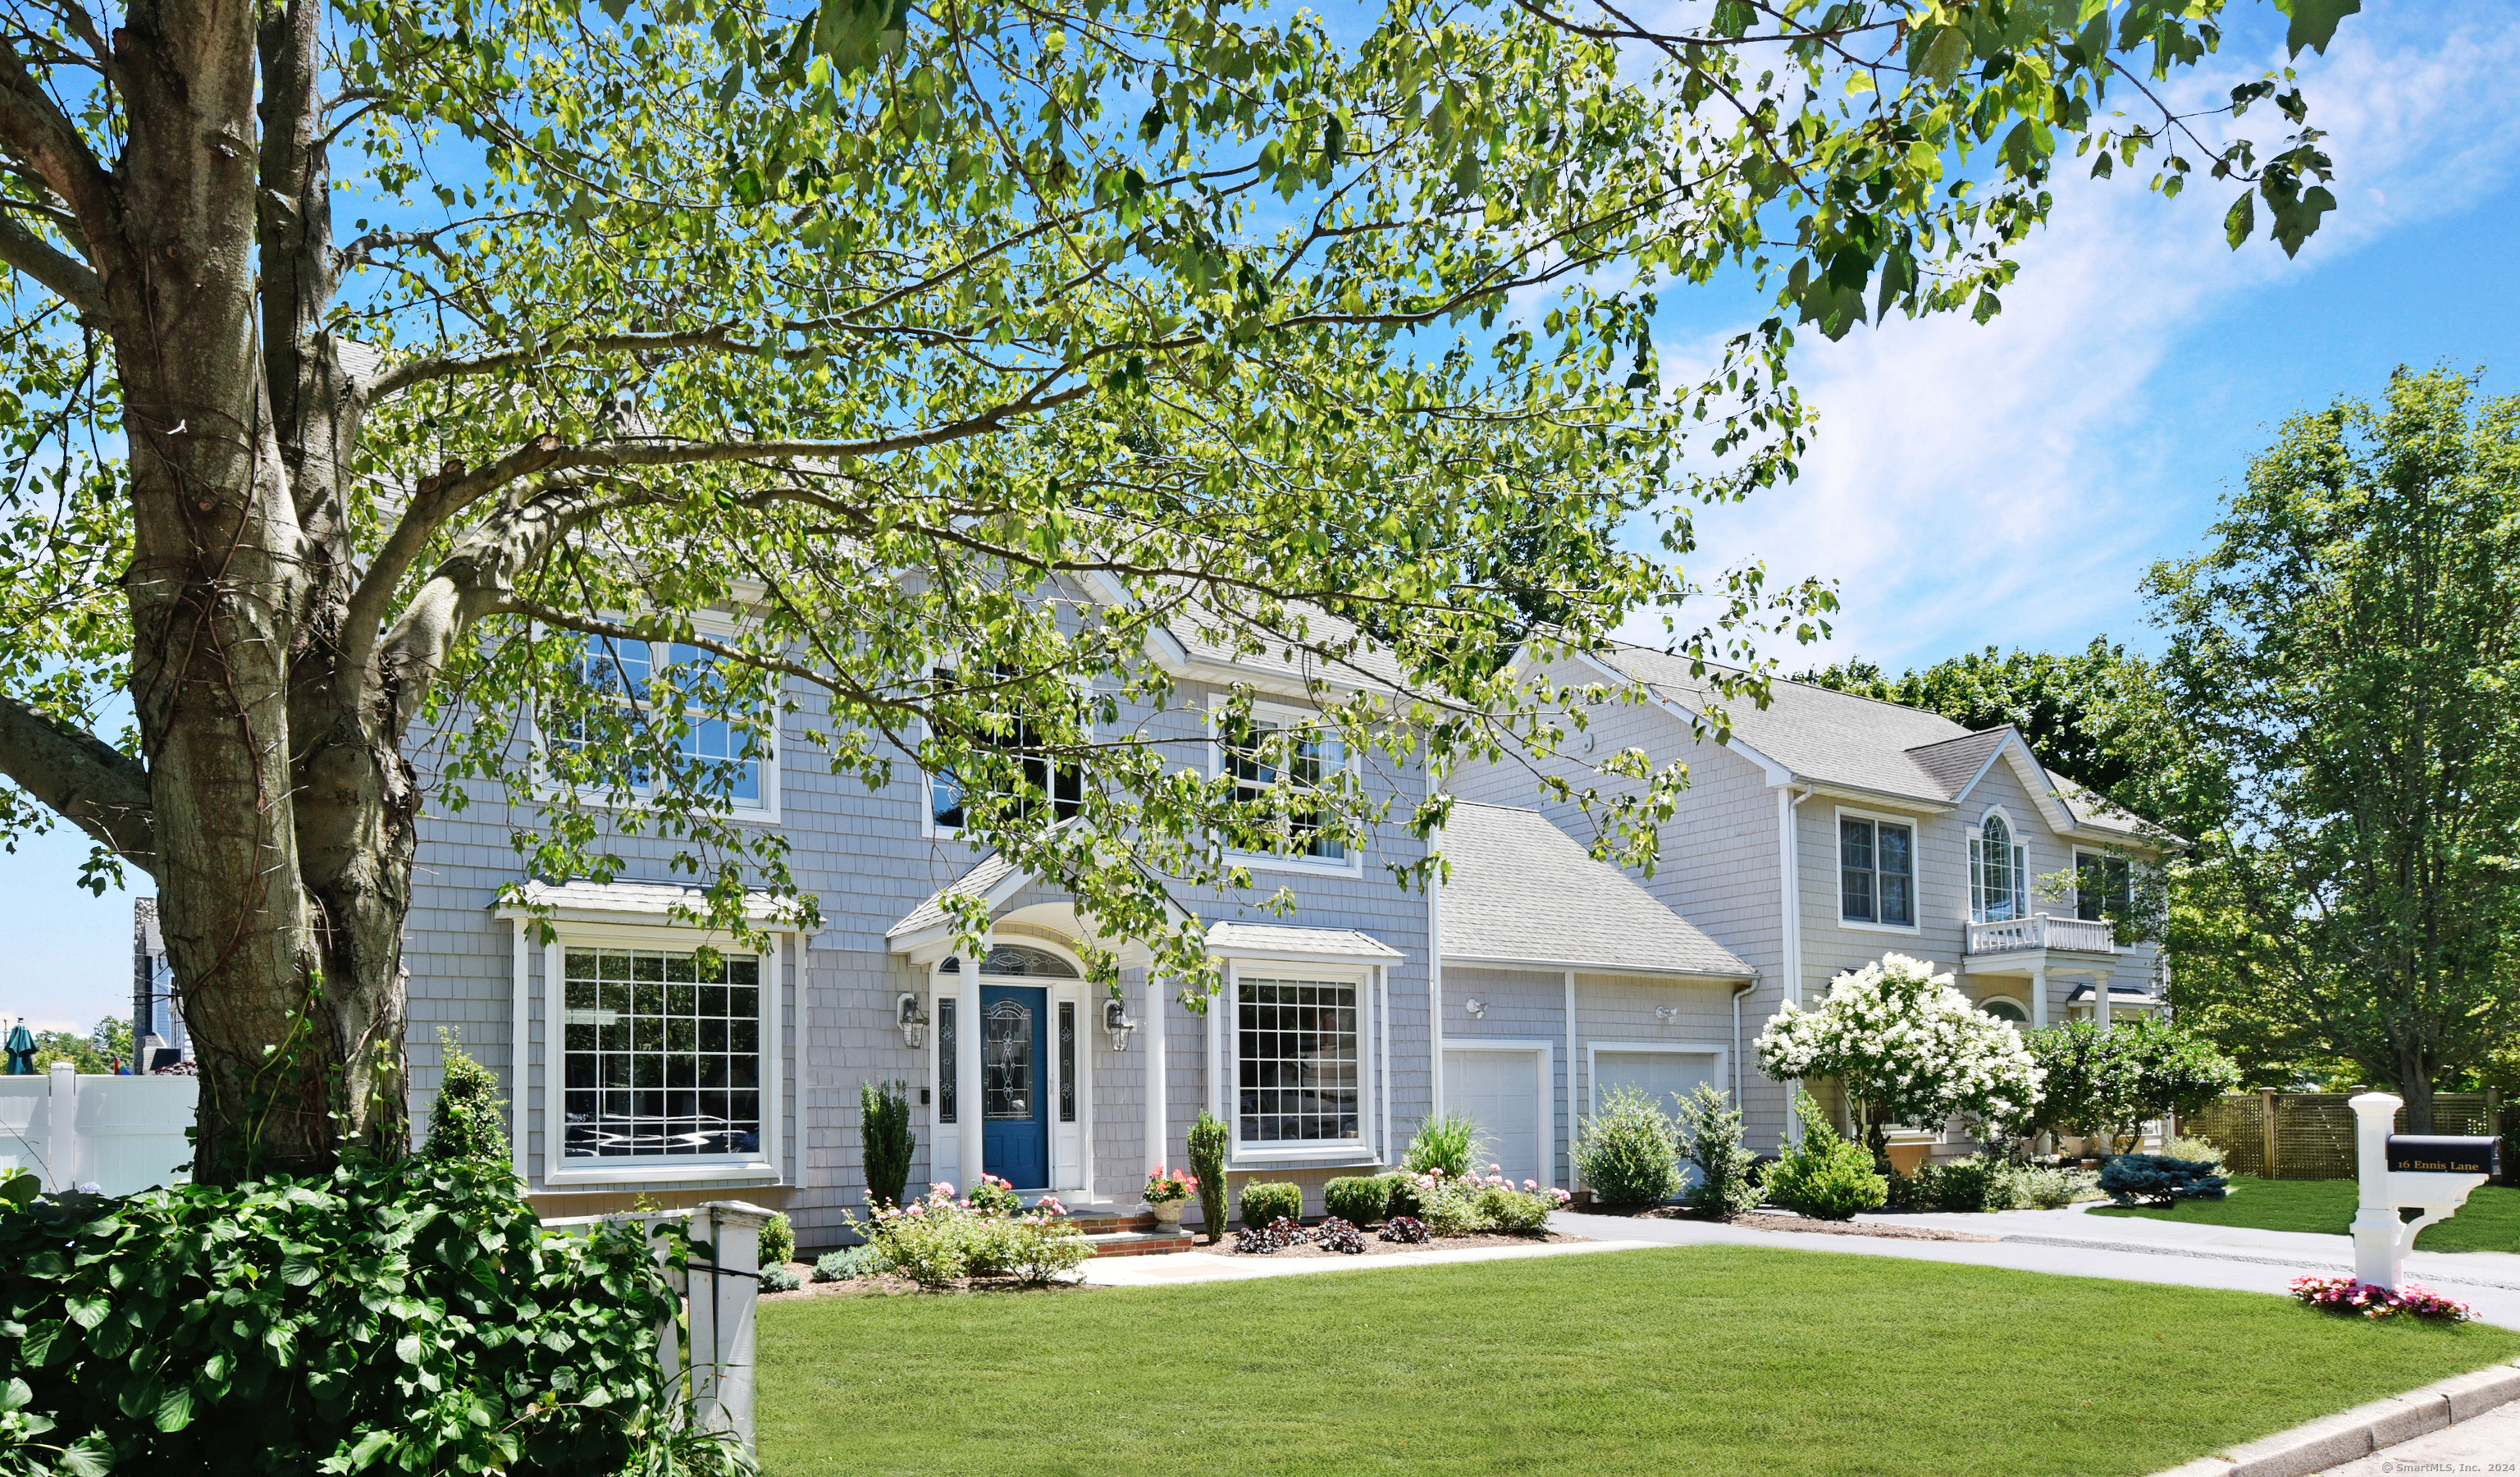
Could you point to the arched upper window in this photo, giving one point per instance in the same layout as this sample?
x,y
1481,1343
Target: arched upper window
x,y
2009,1011
1998,889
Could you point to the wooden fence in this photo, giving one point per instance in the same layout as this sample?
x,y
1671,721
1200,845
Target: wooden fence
x,y
2310,1135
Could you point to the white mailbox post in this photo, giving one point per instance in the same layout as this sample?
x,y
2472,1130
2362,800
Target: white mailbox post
x,y
2430,1174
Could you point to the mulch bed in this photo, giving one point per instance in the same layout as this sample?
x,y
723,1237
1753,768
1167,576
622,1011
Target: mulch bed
x,y
1375,1246
896,1287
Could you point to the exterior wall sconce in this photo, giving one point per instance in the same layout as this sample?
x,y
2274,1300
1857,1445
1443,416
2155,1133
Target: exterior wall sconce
x,y
1478,1008
1666,1013
913,1021
1118,1024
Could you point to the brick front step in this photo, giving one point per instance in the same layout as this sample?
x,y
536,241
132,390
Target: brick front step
x,y
1135,1243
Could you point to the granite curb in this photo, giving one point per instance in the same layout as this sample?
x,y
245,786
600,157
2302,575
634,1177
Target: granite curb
x,y
2334,1440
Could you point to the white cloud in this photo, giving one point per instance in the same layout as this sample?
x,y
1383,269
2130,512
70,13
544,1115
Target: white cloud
x,y
1971,484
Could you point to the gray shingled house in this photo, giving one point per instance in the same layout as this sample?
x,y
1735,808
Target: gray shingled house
x,y
1534,978
1823,831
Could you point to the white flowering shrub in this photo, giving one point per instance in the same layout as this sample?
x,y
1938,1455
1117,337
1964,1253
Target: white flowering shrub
x,y
1909,1047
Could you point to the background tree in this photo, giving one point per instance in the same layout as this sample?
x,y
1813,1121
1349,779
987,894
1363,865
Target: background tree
x,y
377,369
2108,1085
2347,645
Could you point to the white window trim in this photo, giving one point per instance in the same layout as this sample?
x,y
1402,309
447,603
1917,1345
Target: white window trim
x,y
1065,1179
1592,1050
929,829
1350,865
2020,863
766,813
558,1170
1544,1057
1361,1149
1837,869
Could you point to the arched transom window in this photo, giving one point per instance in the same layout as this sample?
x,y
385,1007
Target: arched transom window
x,y
1997,888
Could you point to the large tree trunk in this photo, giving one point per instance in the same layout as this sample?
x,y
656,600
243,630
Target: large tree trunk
x,y
283,851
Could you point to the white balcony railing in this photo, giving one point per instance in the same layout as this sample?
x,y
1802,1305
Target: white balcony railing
x,y
2075,935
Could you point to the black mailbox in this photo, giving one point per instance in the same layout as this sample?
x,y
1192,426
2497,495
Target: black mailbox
x,y
2444,1154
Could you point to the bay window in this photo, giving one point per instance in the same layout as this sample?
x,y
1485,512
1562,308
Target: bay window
x,y
661,1054
1298,1068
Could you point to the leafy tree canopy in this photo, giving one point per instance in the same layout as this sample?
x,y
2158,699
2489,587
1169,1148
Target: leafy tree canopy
x,y
2346,646
389,374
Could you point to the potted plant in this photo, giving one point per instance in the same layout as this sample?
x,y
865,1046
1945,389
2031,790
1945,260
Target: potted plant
x,y
1167,1192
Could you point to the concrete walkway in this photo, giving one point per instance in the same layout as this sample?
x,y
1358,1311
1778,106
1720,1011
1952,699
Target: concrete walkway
x,y
2491,1443
2124,1248
1229,1266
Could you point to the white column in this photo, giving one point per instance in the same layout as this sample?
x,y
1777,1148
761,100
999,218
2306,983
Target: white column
x,y
2101,1000
722,1310
519,1054
61,1130
1156,1082
969,1106
2037,995
1570,1081
1789,929
1435,981
2375,1223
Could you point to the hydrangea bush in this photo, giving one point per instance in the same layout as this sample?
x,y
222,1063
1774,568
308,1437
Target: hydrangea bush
x,y
1470,1205
1909,1047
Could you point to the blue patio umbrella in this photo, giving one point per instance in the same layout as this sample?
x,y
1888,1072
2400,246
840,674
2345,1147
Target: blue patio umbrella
x,y
21,1053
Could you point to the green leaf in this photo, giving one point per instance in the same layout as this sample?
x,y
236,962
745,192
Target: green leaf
x,y
369,1446
407,1349
2240,220
175,1407
1946,54
2314,22
21,1189
88,1456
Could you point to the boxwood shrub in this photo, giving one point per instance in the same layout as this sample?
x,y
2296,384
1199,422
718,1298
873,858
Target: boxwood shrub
x,y
1400,1197
1359,1200
412,1317
1262,1203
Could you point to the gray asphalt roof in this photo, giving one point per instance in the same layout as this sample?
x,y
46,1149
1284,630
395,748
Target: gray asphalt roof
x,y
1523,891
930,912
1840,738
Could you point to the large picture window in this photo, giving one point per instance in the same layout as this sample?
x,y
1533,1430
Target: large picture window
x,y
720,758
1297,1068
1267,757
1876,863
662,1055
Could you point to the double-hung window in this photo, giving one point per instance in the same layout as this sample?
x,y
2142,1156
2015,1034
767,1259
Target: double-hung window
x,y
1876,871
1278,768
1016,762
1998,886
1300,1076
721,758
2103,887
661,1054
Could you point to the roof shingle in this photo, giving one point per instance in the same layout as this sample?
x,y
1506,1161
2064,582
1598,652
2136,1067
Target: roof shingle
x,y
1522,891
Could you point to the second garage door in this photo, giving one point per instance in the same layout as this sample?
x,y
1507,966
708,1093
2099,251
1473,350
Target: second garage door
x,y
1657,1074
1504,1092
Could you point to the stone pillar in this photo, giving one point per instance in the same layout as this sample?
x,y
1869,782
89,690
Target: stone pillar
x,y
2376,1225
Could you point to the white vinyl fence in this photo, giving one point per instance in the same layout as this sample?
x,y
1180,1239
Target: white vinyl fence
x,y
715,1339
120,1133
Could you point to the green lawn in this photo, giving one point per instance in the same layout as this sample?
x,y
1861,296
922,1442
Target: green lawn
x,y
1691,1359
2489,1222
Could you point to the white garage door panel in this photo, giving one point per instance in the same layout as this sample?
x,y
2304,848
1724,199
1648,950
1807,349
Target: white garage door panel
x,y
1657,1074
1500,1091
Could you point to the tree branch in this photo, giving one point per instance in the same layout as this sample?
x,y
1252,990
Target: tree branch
x,y
86,781
33,129
70,279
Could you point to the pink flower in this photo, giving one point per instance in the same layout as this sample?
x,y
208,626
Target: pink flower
x,y
944,1187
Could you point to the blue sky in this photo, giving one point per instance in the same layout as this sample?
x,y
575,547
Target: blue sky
x,y
2006,483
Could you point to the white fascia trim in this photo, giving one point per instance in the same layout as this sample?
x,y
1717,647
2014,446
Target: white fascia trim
x,y
756,1171
1340,965
937,941
1325,1154
2034,778
1774,772
1598,967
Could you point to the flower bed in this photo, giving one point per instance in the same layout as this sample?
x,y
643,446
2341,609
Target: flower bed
x,y
940,1241
2343,1294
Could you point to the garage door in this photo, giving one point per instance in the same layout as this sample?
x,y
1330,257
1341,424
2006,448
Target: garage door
x,y
1657,1074
1502,1092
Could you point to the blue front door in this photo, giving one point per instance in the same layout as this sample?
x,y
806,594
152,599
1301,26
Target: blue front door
x,y
1014,1133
